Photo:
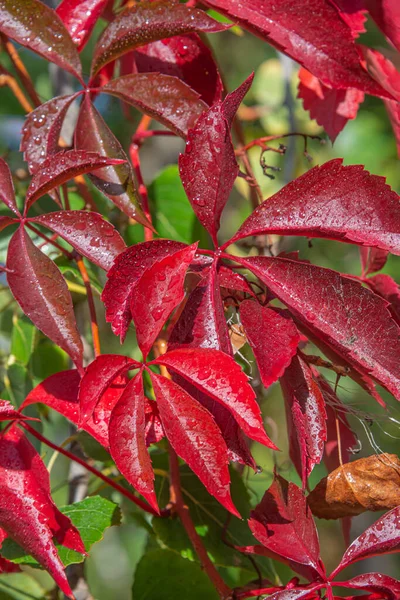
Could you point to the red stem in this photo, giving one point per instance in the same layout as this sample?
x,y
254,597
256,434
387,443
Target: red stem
x,y
143,505
92,308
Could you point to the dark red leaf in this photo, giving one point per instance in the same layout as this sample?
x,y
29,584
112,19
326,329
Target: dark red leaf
x,y
42,129
284,525
195,437
122,277
8,413
41,291
128,440
330,107
99,375
208,168
58,169
147,22
305,416
332,201
386,14
272,337
383,537
186,57
7,194
375,582
372,259
350,319
87,232
79,17
157,292
116,182
311,32
166,99
387,288
6,221
353,13
296,594
202,323
217,375
233,281
36,26
28,514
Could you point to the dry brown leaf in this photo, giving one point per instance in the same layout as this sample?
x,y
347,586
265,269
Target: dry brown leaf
x,y
371,483
237,337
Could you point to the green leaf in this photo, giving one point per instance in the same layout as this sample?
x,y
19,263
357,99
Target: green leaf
x,y
91,517
47,359
164,575
173,216
23,339
20,586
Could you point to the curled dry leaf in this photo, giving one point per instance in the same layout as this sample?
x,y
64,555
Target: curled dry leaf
x,y
371,483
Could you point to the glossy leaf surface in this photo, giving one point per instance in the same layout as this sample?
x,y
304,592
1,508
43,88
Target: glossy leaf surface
x,y
41,291
387,288
375,582
349,318
42,129
166,99
217,374
158,291
36,26
7,194
332,201
195,438
88,233
148,22
186,57
122,277
128,440
56,170
272,338
79,17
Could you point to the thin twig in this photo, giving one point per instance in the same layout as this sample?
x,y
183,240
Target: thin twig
x,y
12,83
92,308
20,69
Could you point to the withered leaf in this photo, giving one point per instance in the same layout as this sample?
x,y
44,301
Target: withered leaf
x,y
371,483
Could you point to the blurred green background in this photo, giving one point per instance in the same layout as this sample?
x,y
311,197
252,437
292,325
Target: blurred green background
x,y
26,357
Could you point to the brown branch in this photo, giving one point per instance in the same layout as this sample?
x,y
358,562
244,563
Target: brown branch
x,y
20,69
7,79
92,308
183,513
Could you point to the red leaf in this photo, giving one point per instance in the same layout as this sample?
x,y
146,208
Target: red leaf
x,y
7,194
284,525
87,232
208,168
58,169
309,31
233,100
306,417
155,295
387,288
386,14
37,27
98,376
42,130
80,17
330,107
166,99
6,221
8,413
148,22
372,259
28,514
116,182
41,291
331,201
217,375
353,13
348,317
383,537
195,437
233,281
186,57
375,582
128,440
272,338
123,275
202,323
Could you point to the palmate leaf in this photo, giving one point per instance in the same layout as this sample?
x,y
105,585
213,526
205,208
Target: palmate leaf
x,y
340,312
332,201
309,31
80,17
148,22
375,583
33,24
41,291
186,57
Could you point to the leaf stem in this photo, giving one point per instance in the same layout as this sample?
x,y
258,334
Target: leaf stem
x,y
143,505
182,511
8,79
92,308
20,69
